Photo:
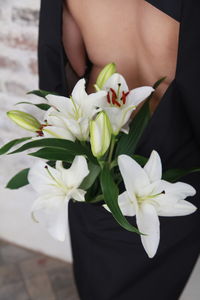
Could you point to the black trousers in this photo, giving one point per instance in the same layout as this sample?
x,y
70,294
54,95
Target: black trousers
x,y
111,264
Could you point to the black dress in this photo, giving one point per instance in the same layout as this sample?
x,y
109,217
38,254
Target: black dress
x,y
109,262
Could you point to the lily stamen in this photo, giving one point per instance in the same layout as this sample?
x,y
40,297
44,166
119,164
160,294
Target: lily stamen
x,y
149,198
40,131
114,98
108,98
118,89
124,95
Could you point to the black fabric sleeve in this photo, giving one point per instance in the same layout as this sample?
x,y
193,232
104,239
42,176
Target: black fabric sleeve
x,y
188,70
170,7
51,58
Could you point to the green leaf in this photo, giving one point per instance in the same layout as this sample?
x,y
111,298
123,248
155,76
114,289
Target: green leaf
x,y
54,154
95,199
173,175
41,93
141,160
92,176
75,148
42,106
156,85
128,142
110,193
19,180
51,163
12,143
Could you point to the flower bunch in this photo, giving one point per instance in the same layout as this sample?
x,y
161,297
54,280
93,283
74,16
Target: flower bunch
x,y
87,148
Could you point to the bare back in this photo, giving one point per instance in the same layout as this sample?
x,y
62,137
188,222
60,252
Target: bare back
x,y
139,38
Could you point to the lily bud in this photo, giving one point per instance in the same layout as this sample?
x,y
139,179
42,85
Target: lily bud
x,y
24,120
100,134
103,76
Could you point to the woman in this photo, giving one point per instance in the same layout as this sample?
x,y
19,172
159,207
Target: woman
x,y
146,39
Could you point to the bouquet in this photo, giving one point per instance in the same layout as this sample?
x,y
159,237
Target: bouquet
x,y
87,146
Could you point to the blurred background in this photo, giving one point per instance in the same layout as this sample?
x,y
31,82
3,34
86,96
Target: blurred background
x,y
18,75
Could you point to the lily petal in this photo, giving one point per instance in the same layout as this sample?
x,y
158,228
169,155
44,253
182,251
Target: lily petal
x,y
153,167
63,104
85,129
52,117
58,132
179,189
75,127
55,117
134,176
79,94
136,96
41,180
74,176
152,189
95,100
51,213
115,116
113,82
126,204
148,223
78,195
180,208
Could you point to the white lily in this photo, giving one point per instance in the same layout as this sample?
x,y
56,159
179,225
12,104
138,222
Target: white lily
x,y
121,101
56,186
56,127
147,196
77,111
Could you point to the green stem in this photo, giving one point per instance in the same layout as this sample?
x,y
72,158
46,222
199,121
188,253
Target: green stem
x,y
101,163
113,140
113,164
83,143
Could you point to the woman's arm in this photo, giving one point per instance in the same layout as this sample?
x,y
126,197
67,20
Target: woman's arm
x,y
73,42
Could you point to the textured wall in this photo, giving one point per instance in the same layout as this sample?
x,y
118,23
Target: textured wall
x,y
18,64
18,45
18,75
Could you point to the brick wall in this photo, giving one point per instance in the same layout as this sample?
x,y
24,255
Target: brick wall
x,y
18,68
18,75
18,45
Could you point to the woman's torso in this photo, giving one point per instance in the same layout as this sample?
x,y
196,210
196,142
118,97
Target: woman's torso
x,y
139,38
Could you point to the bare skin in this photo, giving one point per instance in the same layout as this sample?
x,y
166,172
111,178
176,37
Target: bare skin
x,y
139,38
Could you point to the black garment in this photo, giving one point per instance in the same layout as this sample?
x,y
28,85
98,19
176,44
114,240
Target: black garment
x,y
110,262
169,7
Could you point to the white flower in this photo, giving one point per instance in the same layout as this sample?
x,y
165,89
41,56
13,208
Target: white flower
x,y
121,101
75,112
56,186
148,196
56,127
